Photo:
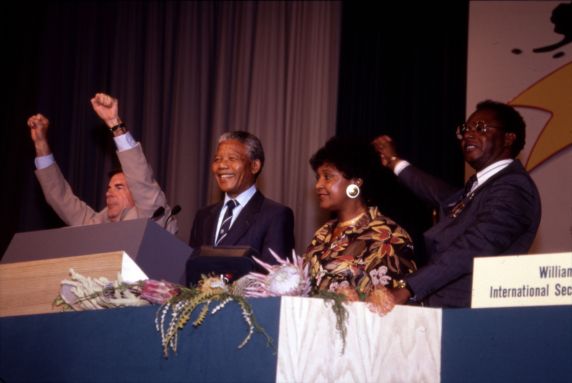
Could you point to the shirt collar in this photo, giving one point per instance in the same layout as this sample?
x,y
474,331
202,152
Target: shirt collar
x,y
491,170
243,197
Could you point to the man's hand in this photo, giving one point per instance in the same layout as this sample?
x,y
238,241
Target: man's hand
x,y
38,125
386,148
106,108
400,296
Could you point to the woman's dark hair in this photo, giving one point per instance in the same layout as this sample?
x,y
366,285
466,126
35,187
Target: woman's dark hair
x,y
510,120
354,158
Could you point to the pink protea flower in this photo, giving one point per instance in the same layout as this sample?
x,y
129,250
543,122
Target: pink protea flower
x,y
158,291
285,278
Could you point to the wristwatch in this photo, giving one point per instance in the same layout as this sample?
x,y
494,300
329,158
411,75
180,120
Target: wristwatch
x,y
119,129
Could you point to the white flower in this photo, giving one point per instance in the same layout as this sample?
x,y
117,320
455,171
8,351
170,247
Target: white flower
x,y
87,293
334,286
217,283
379,276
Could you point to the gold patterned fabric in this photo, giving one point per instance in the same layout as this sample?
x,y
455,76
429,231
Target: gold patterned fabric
x,y
374,251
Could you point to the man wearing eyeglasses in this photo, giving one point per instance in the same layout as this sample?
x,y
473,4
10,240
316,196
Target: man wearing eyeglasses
x,y
497,213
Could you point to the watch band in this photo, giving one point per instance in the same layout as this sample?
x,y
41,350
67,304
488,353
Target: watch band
x,y
402,284
121,127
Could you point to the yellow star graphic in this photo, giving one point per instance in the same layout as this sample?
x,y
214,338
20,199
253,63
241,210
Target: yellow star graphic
x,y
552,94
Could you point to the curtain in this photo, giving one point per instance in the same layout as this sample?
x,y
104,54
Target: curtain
x,y
403,72
184,72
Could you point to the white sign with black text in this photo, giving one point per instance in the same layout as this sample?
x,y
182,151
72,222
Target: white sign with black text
x,y
522,280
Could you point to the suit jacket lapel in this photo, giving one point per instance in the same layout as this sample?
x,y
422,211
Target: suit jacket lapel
x,y
434,236
514,167
245,219
211,222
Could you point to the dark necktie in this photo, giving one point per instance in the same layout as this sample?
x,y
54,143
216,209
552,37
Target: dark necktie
x,y
469,184
225,225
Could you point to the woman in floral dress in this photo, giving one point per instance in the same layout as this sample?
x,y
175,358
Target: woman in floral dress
x,y
360,252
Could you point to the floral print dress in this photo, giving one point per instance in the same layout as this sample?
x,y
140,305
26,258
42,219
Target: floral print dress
x,y
374,251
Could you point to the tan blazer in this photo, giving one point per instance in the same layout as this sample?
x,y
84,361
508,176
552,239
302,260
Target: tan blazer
x,y
147,193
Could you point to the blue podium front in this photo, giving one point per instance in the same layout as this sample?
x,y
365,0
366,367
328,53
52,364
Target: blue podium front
x,y
532,344
122,345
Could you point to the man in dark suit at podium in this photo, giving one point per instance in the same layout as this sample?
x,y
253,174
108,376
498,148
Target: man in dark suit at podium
x,y
245,217
497,213
131,193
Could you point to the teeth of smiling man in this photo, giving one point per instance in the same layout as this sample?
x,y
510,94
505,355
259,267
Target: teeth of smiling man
x,y
470,147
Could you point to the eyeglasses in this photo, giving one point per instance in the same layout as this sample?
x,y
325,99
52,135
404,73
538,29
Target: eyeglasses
x,y
480,127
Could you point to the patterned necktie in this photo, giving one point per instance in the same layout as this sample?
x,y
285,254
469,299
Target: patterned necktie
x,y
465,198
225,225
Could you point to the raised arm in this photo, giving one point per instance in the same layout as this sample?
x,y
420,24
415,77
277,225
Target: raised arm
x,y
56,189
107,108
385,147
38,125
146,192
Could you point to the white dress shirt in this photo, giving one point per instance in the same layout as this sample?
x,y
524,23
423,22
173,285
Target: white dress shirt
x,y
122,142
242,200
482,176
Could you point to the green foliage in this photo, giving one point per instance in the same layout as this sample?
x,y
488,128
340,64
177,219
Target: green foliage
x,y
341,313
181,308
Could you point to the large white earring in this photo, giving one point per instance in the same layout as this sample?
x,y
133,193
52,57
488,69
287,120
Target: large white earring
x,y
352,191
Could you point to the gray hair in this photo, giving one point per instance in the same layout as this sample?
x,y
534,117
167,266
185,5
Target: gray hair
x,y
252,143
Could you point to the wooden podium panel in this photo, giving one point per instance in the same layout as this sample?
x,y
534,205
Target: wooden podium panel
x,y
31,287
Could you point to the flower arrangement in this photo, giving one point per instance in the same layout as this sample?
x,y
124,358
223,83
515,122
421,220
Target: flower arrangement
x,y
178,303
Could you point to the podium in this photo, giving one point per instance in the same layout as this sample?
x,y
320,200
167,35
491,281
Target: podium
x,y
36,262
30,287
158,253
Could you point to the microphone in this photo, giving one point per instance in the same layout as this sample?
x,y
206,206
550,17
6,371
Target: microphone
x,y
174,211
158,213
